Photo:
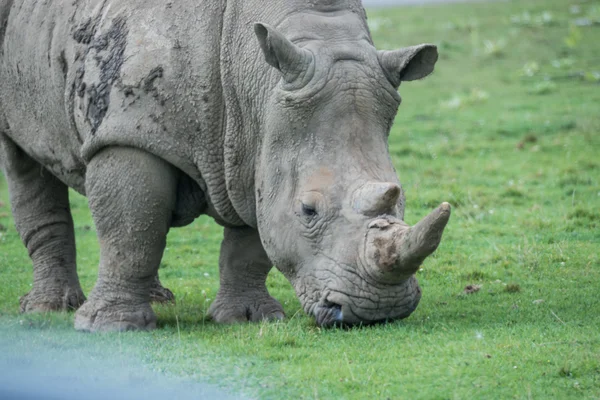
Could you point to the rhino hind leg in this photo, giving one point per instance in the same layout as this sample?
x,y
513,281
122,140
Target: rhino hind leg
x,y
40,204
132,196
243,267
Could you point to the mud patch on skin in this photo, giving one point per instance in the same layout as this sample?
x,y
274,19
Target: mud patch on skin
x,y
385,254
110,48
107,49
154,74
145,86
86,31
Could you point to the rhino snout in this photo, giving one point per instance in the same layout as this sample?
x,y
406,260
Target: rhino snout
x,y
362,305
380,284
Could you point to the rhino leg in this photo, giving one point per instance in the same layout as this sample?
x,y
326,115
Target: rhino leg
x,y
159,293
243,268
40,204
132,196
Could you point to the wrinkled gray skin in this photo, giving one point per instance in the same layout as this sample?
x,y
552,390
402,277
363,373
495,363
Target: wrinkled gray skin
x,y
272,120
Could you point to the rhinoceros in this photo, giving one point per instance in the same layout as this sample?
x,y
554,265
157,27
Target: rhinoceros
x,y
270,117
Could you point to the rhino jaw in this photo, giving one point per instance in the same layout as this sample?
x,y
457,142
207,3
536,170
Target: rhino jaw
x,y
339,308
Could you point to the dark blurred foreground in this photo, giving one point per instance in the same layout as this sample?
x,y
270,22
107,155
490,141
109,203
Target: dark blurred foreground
x,y
35,366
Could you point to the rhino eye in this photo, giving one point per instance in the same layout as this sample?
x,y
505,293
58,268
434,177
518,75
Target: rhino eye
x,y
309,211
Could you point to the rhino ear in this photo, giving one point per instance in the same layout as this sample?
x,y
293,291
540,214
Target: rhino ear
x,y
408,64
282,54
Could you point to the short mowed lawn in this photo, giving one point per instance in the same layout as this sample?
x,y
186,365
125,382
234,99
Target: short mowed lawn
x,y
507,130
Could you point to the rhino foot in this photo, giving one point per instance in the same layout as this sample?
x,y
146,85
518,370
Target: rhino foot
x,y
64,298
159,293
230,309
100,316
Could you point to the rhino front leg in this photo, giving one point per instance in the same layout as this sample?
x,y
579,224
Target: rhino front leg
x,y
40,204
159,293
243,268
132,196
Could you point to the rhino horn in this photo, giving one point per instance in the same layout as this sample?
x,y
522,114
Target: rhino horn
x,y
396,250
376,198
291,60
421,240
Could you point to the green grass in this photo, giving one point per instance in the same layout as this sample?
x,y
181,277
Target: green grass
x,y
508,131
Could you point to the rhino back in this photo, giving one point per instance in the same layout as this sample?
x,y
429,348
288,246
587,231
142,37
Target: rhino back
x,y
80,76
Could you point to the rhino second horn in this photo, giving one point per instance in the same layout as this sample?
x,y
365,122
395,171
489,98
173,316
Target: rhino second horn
x,y
376,198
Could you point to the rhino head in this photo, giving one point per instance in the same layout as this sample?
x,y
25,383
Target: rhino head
x,y
330,207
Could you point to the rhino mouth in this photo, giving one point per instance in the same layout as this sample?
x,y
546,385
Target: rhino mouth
x,y
331,315
335,310
328,314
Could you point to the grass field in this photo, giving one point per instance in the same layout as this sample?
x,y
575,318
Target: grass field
x,y
508,131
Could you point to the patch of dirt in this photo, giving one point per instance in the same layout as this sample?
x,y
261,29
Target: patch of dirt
x,y
528,139
512,288
470,289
